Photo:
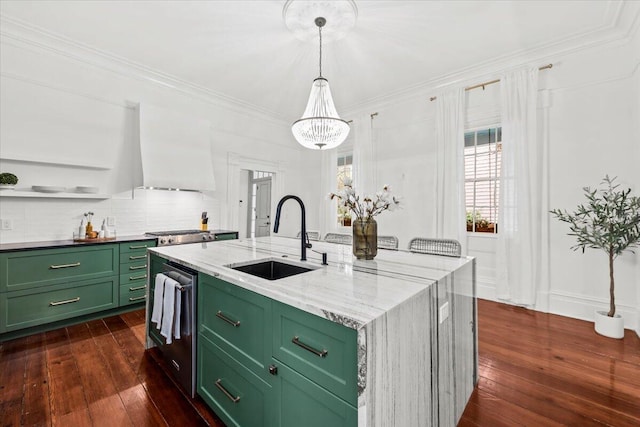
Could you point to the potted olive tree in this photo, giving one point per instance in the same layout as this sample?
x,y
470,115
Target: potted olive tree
x,y
610,221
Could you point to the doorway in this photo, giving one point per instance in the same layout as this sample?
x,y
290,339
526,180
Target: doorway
x,y
259,207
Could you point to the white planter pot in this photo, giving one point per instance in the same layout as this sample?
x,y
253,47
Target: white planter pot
x,y
612,327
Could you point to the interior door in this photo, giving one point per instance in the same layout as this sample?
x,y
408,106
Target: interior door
x,y
263,207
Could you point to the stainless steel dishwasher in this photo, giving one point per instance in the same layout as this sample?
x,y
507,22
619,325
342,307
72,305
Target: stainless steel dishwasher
x,y
180,355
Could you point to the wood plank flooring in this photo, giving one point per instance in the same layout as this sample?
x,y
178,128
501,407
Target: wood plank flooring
x,y
92,374
540,369
535,369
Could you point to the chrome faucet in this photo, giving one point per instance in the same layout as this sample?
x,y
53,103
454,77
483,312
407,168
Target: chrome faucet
x,y
303,231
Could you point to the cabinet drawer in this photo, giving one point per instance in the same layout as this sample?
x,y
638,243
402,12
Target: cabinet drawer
x,y
226,236
135,268
139,246
237,395
134,257
237,320
29,269
22,309
304,403
319,349
133,293
127,278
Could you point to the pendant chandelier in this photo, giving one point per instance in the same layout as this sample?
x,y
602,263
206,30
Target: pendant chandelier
x,y
320,127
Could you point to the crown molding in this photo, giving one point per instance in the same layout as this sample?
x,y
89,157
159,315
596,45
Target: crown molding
x,y
22,33
620,23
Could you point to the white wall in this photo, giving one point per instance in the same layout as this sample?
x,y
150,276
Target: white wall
x,y
84,84
592,132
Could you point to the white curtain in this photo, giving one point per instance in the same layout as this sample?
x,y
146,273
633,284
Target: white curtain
x,y
521,184
364,160
449,209
329,184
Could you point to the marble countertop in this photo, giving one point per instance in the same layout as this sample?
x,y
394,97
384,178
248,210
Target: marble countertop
x,y
348,291
49,244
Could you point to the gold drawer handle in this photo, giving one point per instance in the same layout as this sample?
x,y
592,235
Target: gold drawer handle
x,y
319,353
55,267
138,288
144,276
137,257
138,247
137,298
226,393
138,268
68,301
226,319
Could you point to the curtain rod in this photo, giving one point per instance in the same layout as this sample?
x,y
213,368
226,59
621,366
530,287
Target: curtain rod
x,y
482,85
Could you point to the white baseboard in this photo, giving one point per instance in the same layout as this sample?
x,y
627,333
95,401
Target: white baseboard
x,y
581,307
569,305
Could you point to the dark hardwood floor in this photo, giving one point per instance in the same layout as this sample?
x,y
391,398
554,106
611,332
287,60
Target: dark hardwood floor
x,y
536,369
540,369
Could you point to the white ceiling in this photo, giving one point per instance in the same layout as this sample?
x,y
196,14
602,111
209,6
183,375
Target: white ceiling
x,y
242,49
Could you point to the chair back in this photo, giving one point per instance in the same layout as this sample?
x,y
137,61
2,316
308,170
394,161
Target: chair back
x,y
388,242
343,239
447,247
312,235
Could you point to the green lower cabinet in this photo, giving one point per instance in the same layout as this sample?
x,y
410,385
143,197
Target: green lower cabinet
x,y
236,395
226,236
23,309
133,293
301,402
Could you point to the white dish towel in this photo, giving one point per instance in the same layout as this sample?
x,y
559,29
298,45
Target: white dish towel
x,y
158,294
169,311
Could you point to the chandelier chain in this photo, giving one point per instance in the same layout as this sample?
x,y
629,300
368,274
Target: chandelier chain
x,y
320,61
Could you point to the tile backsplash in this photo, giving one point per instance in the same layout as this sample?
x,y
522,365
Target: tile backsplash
x,y
37,219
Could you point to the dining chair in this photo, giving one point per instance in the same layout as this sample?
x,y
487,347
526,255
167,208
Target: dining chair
x,y
343,239
447,247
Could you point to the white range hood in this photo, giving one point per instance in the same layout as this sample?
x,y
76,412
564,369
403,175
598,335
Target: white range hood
x,y
175,150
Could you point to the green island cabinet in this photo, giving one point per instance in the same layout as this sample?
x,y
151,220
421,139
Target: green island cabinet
x,y
264,363
45,288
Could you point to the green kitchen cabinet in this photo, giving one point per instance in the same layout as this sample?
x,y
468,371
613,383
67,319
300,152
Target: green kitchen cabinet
x,y
226,236
32,307
133,271
41,289
322,350
302,402
235,393
264,363
22,270
237,320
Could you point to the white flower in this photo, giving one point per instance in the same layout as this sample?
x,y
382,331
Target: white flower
x,y
369,206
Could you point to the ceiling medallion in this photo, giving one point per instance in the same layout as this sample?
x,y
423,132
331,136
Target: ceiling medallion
x,y
299,17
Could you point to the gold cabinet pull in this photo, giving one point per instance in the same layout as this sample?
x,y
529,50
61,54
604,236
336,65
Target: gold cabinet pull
x,y
138,247
137,288
144,276
226,393
319,353
55,267
67,301
137,257
137,298
226,319
140,267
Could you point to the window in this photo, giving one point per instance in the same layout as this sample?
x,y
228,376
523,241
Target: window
x,y
482,159
345,170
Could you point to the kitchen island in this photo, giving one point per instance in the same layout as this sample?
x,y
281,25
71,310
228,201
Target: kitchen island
x,y
412,318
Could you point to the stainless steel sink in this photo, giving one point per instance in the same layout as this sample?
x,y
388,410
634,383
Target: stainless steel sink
x,y
271,269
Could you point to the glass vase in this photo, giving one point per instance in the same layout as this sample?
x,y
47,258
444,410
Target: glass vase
x,y
365,238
